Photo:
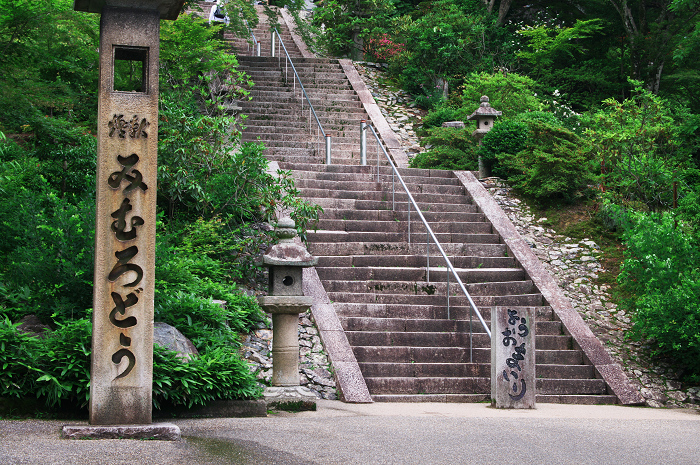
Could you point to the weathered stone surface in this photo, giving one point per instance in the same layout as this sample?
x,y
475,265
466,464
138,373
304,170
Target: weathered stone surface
x,y
169,337
127,148
453,124
224,409
513,358
158,431
31,324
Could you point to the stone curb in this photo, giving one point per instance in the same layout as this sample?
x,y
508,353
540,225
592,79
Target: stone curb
x,y
301,45
391,142
606,368
157,431
349,379
223,409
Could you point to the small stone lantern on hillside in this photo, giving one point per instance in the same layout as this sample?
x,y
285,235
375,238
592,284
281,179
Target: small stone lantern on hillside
x,y
485,117
285,262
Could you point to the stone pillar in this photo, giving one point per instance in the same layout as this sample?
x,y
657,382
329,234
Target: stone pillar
x,y
513,382
127,145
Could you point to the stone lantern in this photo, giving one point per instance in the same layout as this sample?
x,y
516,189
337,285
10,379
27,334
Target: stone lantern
x,y
485,117
285,262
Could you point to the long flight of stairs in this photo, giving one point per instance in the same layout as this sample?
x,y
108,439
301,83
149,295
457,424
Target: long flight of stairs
x,y
395,320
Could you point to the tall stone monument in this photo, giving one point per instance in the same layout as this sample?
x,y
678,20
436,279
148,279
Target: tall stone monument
x,y
127,145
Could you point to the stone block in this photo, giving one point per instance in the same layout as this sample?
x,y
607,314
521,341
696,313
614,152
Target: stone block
x,y
513,358
158,431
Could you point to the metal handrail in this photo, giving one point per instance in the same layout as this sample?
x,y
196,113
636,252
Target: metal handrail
x,y
256,42
429,234
319,130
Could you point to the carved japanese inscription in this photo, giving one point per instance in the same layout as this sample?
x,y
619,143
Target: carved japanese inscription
x,y
513,357
127,180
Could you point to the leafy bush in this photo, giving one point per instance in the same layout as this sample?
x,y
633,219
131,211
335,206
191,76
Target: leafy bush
x,y
218,374
662,269
17,351
506,137
440,114
445,158
636,144
47,249
552,168
509,93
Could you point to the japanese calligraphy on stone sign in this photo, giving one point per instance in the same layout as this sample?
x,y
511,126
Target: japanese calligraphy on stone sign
x,y
513,358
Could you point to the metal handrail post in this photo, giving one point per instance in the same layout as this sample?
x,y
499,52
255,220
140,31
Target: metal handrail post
x,y
448,295
393,191
272,43
258,48
409,221
427,255
328,149
363,142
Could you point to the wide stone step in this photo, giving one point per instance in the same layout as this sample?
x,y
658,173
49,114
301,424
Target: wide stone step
x,y
459,306
390,215
367,323
325,261
403,248
577,399
372,236
402,226
473,385
370,177
422,370
358,184
422,314
443,398
482,275
418,288
429,385
446,339
407,354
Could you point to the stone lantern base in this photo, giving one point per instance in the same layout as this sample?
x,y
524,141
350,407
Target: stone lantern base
x,y
290,398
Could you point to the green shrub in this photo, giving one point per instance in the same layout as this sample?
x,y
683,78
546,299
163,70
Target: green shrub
x,y
218,374
440,114
509,93
17,359
65,360
507,137
662,270
554,166
445,158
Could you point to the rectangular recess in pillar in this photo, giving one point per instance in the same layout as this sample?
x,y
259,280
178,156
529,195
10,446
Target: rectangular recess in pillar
x,y
130,69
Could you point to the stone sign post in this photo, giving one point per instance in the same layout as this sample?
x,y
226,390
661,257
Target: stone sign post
x,y
127,144
513,357
285,302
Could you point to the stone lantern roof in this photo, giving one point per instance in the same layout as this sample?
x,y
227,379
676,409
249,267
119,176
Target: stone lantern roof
x,y
169,9
484,109
288,252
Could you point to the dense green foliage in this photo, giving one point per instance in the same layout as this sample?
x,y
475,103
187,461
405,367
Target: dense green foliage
x,y
214,199
599,100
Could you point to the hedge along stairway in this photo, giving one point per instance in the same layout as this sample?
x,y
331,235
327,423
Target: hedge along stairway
x,y
385,327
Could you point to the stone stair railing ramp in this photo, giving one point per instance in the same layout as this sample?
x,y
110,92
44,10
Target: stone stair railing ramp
x,y
356,237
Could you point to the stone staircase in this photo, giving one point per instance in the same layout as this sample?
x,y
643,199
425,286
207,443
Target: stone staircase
x,y
395,321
